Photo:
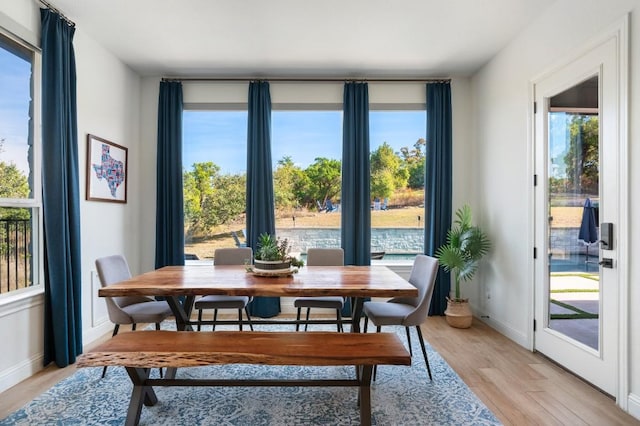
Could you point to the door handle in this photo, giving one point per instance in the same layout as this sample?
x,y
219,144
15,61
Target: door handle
x,y
606,263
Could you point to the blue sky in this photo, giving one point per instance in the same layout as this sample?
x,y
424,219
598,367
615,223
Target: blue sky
x,y
15,96
221,136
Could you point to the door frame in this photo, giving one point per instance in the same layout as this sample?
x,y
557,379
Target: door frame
x,y
619,32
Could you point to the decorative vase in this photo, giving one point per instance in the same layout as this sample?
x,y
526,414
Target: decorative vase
x,y
271,265
458,313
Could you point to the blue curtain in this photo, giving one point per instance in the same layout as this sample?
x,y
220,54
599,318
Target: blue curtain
x,y
260,198
60,193
355,199
169,206
438,184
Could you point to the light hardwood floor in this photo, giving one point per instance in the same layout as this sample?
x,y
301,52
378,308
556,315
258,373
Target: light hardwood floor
x,y
520,387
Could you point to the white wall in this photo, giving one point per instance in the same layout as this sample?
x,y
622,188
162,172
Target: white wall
x,y
108,97
503,172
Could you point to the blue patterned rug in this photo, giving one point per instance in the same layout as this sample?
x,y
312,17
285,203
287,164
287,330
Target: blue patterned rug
x,y
400,396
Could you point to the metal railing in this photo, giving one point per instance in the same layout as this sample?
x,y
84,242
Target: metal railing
x,y
16,261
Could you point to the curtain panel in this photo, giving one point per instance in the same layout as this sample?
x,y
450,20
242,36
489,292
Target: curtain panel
x,y
169,196
260,197
438,184
60,193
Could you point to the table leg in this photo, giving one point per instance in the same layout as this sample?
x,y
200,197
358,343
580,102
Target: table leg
x,y
356,313
181,311
364,395
140,395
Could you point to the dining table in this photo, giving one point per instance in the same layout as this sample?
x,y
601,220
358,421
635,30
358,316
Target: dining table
x,y
180,285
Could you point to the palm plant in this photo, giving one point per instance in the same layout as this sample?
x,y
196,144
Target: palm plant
x,y
466,245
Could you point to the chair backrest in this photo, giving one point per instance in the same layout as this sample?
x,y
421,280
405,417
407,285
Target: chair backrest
x,y
423,277
111,270
233,256
325,257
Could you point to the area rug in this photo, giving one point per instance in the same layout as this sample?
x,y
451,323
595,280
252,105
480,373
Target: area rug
x,y
400,395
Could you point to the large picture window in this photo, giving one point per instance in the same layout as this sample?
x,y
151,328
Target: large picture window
x,y
20,206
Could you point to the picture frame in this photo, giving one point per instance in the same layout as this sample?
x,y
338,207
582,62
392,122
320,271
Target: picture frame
x,y
107,170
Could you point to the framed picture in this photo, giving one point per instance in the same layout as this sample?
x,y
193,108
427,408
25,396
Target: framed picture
x,y
106,170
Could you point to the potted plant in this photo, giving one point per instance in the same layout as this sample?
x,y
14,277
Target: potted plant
x,y
273,254
466,245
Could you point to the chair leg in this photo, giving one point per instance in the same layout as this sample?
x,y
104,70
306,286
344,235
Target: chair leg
x,y
158,328
424,351
240,319
133,326
307,323
409,340
298,320
246,311
115,331
366,324
339,320
215,318
199,318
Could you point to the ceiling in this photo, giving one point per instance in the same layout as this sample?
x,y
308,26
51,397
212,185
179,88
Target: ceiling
x,y
303,38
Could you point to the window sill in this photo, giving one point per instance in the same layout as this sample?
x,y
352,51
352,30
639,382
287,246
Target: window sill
x,y
20,299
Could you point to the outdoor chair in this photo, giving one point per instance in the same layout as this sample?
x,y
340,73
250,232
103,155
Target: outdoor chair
x,y
331,207
408,311
239,243
227,256
321,257
128,309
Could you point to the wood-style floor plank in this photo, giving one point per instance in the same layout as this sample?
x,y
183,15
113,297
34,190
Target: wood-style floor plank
x,y
520,387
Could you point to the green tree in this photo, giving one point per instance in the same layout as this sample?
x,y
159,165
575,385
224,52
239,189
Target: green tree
x,y
387,173
323,179
414,161
13,184
288,184
581,159
211,199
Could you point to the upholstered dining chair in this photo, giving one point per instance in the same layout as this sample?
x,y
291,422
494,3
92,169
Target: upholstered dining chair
x,y
128,309
227,256
408,311
321,257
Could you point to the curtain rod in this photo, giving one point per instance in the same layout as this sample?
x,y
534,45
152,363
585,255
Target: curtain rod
x,y
311,79
64,18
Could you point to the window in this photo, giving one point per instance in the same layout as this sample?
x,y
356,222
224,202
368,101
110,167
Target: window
x,y
397,143
20,206
214,157
306,150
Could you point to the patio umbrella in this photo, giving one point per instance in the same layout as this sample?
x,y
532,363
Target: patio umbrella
x,y
588,232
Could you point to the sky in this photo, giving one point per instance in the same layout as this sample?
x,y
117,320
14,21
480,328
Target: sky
x,y
221,136
15,96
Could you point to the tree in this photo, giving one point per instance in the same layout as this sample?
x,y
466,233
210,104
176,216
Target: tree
x,y
414,160
387,173
288,181
581,159
13,184
323,179
211,199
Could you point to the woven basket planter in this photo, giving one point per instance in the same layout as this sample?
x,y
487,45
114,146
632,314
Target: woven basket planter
x,y
458,313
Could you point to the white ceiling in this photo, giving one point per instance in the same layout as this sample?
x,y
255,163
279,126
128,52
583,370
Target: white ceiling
x,y
303,38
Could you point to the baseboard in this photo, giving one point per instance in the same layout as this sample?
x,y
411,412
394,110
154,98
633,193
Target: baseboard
x,y
21,371
502,328
633,405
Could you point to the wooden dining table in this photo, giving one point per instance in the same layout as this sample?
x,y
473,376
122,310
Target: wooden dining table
x,y
180,285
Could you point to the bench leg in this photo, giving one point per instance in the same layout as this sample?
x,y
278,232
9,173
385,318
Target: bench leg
x,y
364,394
141,394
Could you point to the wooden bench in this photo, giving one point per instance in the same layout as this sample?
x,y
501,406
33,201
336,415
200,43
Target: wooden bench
x,y
143,350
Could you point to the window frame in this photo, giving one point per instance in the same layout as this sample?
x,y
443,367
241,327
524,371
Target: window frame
x,y
34,202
